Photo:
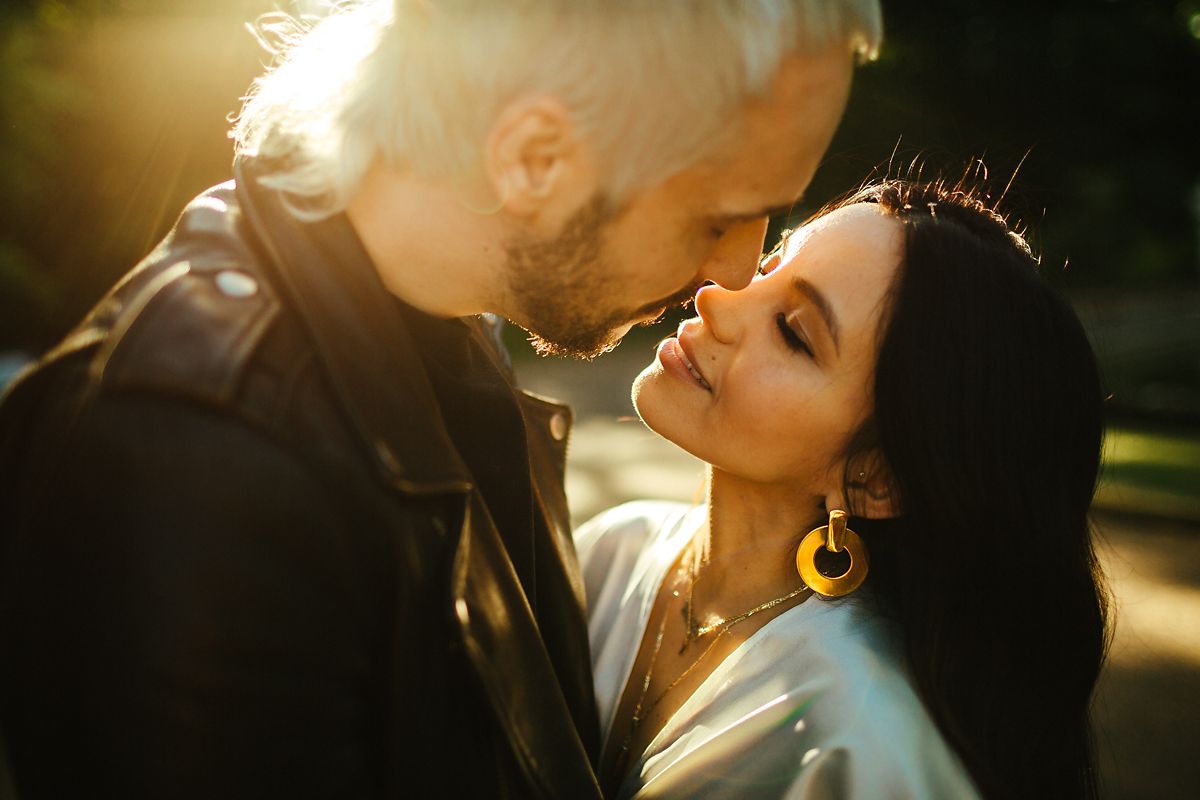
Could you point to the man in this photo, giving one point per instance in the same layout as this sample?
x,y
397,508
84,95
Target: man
x,y
281,526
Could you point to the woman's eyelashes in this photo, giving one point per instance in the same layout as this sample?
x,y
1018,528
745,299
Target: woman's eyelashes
x,y
790,337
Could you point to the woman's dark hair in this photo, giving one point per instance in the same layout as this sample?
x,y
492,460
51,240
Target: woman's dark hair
x,y
988,412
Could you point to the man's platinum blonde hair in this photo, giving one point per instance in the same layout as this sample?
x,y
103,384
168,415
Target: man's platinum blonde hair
x,y
417,84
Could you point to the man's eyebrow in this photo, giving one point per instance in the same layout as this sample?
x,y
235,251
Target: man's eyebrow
x,y
821,302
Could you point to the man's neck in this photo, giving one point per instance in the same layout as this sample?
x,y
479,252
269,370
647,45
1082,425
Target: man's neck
x,y
430,248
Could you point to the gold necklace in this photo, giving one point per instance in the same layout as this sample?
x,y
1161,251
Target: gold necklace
x,y
721,626
693,630
690,629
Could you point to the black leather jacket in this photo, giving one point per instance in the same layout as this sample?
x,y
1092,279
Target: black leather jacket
x,y
242,558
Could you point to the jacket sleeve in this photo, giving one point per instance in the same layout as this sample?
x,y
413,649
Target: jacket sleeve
x,y
190,611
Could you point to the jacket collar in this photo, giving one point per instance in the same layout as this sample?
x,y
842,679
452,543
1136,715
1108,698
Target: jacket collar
x,y
324,271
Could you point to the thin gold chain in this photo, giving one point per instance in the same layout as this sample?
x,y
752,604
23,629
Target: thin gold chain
x,y
726,624
722,627
691,630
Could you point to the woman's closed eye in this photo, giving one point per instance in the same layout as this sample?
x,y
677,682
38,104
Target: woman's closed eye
x,y
791,337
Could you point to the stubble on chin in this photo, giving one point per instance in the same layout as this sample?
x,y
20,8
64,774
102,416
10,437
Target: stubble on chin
x,y
557,286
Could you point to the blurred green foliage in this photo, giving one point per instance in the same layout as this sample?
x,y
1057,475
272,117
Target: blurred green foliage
x,y
113,113
1154,469
37,99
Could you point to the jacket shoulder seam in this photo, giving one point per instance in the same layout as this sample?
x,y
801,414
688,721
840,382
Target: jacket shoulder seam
x,y
182,334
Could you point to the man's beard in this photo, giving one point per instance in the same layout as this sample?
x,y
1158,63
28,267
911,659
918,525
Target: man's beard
x,y
558,287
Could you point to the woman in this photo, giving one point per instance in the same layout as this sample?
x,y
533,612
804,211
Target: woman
x,y
900,360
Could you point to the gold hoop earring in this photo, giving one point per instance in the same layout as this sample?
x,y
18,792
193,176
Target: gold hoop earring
x,y
831,538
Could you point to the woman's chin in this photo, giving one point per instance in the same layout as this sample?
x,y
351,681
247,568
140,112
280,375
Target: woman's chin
x,y
642,390
654,408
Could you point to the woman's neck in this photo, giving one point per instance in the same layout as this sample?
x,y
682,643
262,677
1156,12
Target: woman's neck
x,y
748,549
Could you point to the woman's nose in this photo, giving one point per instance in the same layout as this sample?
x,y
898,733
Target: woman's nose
x,y
715,305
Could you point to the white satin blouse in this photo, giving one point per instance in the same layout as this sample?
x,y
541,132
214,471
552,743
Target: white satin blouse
x,y
815,704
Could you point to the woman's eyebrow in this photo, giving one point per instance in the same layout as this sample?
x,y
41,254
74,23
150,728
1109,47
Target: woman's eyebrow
x,y
821,302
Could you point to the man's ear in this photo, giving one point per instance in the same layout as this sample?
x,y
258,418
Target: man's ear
x,y
871,488
535,156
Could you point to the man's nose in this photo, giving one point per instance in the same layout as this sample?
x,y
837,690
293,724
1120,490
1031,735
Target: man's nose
x,y
735,258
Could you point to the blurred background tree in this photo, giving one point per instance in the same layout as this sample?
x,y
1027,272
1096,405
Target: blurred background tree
x,y
1102,96
113,113
1096,100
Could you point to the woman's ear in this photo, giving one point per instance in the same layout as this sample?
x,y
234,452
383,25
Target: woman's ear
x,y
871,488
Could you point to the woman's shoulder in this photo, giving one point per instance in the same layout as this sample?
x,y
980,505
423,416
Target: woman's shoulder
x,y
818,704
638,518
626,530
872,729
623,554
625,544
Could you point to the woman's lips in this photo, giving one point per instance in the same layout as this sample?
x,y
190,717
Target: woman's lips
x,y
672,356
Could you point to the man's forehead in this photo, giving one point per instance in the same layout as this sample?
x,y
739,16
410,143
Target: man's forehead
x,y
761,177
779,143
771,150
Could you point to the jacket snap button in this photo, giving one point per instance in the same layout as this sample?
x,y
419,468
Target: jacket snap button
x,y
236,284
558,426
